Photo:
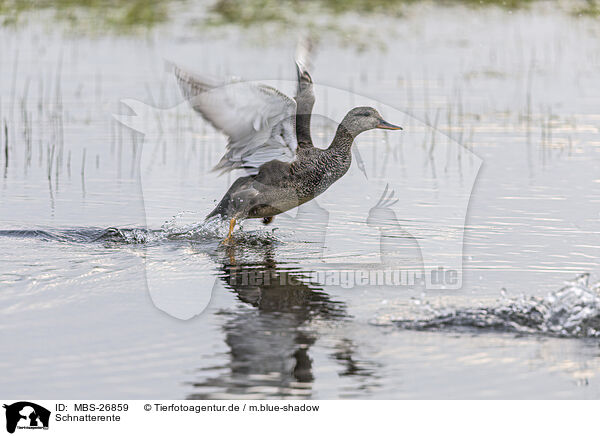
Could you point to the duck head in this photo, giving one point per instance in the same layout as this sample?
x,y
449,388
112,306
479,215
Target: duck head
x,y
361,119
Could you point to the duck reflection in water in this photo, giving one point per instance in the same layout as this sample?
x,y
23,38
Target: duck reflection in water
x,y
270,336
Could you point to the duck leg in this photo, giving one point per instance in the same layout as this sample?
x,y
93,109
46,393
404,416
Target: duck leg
x,y
231,226
230,250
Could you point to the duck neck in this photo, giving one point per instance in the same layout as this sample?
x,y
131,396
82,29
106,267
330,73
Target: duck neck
x,y
305,102
303,126
342,141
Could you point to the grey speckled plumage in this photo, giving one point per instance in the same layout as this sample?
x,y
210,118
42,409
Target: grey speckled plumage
x,y
263,130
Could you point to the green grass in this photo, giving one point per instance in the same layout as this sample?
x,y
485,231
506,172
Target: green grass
x,y
130,15
246,12
119,14
591,8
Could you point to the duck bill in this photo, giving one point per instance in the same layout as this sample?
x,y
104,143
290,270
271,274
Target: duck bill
x,y
387,126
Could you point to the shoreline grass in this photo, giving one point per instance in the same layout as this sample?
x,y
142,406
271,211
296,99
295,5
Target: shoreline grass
x,y
126,16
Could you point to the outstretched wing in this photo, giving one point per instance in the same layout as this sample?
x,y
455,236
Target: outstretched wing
x,y
258,119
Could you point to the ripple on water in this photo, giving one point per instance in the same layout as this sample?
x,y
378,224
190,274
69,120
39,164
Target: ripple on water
x,y
172,230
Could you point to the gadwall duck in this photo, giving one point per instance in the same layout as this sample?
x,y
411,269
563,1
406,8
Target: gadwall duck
x,y
269,137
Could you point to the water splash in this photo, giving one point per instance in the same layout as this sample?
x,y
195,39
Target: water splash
x,y
573,311
174,229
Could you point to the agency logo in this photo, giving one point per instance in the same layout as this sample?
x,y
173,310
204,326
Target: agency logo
x,y
26,415
408,209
